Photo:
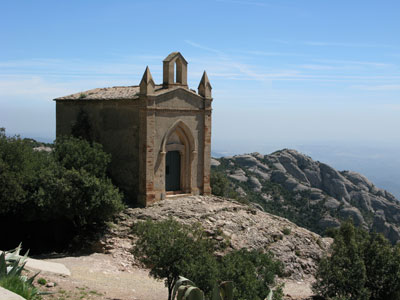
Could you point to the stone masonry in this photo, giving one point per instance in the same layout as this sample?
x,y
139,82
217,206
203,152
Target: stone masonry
x,y
159,136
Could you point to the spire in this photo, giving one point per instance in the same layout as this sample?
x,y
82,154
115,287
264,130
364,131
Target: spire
x,y
204,88
147,83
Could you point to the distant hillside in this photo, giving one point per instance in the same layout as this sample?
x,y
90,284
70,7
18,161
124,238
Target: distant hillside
x,y
310,193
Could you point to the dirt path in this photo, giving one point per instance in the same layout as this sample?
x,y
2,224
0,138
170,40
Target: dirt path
x,y
104,277
101,277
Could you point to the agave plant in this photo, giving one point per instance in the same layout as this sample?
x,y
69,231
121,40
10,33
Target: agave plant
x,y
224,291
11,267
186,290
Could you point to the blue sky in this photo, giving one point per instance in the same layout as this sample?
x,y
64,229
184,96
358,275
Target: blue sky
x,y
284,73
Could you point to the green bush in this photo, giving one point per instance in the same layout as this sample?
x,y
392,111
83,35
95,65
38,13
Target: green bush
x,y
19,165
362,265
221,186
76,153
11,278
252,273
171,249
68,184
76,196
20,287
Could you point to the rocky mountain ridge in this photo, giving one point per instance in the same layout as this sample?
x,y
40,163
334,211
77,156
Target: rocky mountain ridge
x,y
310,193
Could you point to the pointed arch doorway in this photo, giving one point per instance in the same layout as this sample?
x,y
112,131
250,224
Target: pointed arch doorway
x,y
179,149
173,171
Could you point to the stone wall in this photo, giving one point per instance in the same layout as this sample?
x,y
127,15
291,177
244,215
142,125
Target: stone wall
x,y
115,125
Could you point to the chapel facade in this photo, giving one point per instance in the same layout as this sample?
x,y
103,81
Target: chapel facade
x,y
159,135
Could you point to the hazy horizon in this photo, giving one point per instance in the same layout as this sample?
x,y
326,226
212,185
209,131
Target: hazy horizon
x,y
317,75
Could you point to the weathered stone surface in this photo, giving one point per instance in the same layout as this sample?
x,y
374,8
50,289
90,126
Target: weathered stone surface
x,y
348,191
354,214
239,175
240,191
214,162
331,203
140,125
255,183
8,295
47,266
328,222
245,227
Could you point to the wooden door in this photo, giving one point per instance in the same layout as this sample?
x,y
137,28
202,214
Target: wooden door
x,y
173,171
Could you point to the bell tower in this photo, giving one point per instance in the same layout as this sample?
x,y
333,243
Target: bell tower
x,y
174,70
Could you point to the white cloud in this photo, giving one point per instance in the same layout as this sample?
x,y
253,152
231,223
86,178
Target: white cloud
x,y
341,44
383,87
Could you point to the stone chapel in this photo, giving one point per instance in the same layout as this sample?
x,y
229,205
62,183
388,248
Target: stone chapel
x,y
159,135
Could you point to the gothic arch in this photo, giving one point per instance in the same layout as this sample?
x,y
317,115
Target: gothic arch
x,y
187,149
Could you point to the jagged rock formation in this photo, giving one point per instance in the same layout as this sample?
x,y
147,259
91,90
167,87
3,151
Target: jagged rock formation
x,y
227,221
311,193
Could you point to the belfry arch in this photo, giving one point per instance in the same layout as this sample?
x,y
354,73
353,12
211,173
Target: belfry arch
x,y
178,144
174,70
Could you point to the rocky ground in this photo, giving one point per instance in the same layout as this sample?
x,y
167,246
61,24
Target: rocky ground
x,y
113,274
242,226
332,195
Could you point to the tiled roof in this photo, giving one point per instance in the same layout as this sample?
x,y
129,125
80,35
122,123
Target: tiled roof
x,y
117,93
110,93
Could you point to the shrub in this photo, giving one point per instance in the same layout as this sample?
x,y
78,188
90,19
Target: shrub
x,y
220,185
18,286
70,183
11,267
19,165
171,249
252,273
76,153
362,265
41,281
67,188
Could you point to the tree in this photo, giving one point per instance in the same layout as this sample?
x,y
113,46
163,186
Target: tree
x,y
252,272
171,249
382,263
66,189
362,265
77,153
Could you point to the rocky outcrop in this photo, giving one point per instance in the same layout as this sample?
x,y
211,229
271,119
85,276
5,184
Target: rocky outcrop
x,y
240,226
341,195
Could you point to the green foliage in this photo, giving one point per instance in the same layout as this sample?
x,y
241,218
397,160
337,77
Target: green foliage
x,y
76,153
362,266
82,127
68,184
220,185
18,286
11,278
19,165
286,231
295,206
171,249
76,196
185,289
41,281
252,272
